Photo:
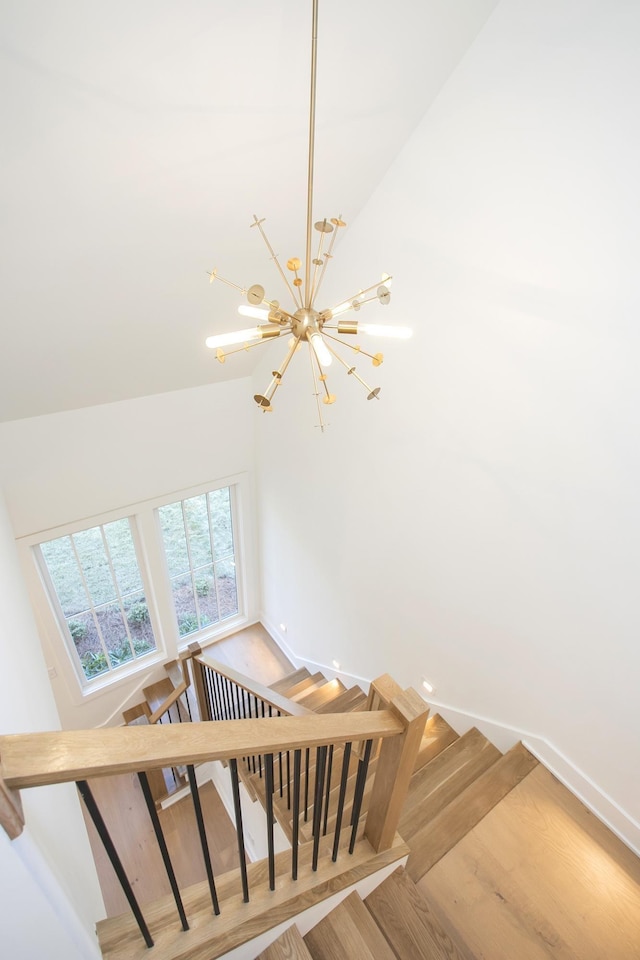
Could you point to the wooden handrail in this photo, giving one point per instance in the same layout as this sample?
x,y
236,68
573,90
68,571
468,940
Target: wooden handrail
x,y
37,759
168,703
278,702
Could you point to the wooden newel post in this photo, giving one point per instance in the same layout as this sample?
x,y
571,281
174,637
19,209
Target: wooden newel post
x,y
11,815
396,761
198,682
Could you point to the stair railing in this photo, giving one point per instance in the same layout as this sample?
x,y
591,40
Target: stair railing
x,y
31,760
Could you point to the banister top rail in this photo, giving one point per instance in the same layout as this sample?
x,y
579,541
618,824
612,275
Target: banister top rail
x,y
38,759
256,689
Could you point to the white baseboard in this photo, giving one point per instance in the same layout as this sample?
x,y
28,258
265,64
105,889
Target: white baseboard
x,y
621,823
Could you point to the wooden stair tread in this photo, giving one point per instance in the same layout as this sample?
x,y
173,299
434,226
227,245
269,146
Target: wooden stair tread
x,y
174,672
157,693
322,695
137,714
291,679
437,783
348,931
288,946
540,876
305,686
348,701
437,737
210,937
436,838
407,922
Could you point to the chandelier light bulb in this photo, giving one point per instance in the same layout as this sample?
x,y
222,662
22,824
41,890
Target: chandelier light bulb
x,y
381,330
321,349
256,313
342,308
238,336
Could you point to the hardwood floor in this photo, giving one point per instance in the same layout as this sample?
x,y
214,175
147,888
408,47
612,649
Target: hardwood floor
x,y
539,877
253,652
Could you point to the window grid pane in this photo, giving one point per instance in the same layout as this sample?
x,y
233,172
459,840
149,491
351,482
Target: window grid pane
x,y
202,595
111,627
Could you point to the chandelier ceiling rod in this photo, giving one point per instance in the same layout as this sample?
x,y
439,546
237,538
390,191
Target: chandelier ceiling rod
x,y
312,137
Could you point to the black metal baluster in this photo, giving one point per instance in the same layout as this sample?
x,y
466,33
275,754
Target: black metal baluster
x,y
306,785
235,787
278,714
255,702
359,793
217,679
343,790
297,757
116,863
321,759
208,684
237,703
227,695
288,781
195,796
166,859
328,791
268,790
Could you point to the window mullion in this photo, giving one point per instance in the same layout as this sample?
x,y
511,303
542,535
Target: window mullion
x,y
190,559
117,588
213,557
90,599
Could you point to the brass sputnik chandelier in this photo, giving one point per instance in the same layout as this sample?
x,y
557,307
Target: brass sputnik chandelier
x,y
303,323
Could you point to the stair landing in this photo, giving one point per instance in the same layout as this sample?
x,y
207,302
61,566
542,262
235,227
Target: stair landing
x,y
538,877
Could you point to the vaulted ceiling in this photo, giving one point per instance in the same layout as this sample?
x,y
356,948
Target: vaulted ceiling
x,y
139,140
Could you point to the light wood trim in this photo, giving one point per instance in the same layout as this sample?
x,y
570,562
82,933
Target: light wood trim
x,y
396,763
168,703
11,815
197,671
277,701
35,759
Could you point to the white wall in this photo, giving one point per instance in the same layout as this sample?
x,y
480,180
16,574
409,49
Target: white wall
x,y
65,467
480,524
49,889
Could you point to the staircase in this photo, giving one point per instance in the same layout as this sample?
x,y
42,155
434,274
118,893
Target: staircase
x,y
501,862
504,864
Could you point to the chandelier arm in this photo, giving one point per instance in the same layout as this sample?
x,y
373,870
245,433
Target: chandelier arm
x,y
258,223
322,376
258,343
265,399
315,265
214,276
327,257
360,293
315,387
373,391
355,347
312,134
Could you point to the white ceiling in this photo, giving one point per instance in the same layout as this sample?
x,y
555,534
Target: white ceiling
x,y
139,138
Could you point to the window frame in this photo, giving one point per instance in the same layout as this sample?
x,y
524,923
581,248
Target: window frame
x,y
211,630
144,520
108,677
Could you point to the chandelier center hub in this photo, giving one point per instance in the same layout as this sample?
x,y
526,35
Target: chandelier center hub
x,y
305,323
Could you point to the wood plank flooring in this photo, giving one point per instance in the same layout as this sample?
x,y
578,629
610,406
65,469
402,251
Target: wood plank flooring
x,y
539,877
253,652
